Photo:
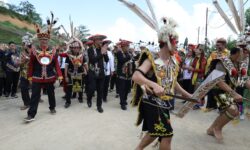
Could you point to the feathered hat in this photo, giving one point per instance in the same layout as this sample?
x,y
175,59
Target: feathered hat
x,y
167,33
45,34
27,38
74,41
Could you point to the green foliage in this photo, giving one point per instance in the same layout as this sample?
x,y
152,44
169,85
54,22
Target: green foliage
x,y
84,32
25,11
185,43
247,15
13,14
10,32
231,43
7,36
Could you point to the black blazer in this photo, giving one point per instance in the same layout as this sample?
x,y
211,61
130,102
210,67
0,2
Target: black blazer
x,y
98,58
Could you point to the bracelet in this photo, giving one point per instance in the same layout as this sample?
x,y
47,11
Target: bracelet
x,y
140,71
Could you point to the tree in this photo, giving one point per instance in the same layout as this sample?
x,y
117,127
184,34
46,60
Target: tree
x,y
84,32
185,43
247,15
231,43
36,18
26,8
13,7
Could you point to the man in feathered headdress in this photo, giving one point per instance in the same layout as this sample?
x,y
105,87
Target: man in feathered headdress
x,y
74,70
43,70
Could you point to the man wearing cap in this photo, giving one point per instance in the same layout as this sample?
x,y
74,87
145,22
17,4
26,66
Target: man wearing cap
x,y
97,54
124,72
43,71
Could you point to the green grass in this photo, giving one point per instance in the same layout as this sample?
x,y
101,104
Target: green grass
x,y
10,32
9,25
7,36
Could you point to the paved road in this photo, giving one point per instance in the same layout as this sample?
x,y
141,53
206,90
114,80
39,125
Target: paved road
x,y
83,128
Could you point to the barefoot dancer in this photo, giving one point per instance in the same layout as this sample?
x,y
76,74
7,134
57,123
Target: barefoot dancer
x,y
158,76
225,94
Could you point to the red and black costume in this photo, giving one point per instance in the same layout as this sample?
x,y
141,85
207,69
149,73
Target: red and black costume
x,y
42,76
43,70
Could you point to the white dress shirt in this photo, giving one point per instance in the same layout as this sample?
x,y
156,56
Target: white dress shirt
x,y
109,66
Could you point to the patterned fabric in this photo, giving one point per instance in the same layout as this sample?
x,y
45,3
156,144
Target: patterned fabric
x,y
156,119
166,76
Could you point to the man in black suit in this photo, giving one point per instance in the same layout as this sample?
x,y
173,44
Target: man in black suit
x,y
97,54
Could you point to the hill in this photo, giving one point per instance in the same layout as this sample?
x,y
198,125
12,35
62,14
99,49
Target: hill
x,y
13,27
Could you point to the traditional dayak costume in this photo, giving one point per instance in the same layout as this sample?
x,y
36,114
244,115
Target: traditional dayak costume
x,y
124,72
211,102
43,70
235,74
24,82
153,110
74,70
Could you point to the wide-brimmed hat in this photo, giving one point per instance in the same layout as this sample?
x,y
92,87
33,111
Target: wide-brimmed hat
x,y
125,43
106,42
97,37
90,42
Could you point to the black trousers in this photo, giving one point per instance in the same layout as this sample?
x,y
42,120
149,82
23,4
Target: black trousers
x,y
12,79
36,95
187,85
92,85
2,85
124,87
106,87
24,85
114,82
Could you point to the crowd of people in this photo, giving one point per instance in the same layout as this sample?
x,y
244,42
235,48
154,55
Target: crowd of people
x,y
94,67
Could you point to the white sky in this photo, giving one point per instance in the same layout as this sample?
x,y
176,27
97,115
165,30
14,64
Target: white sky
x,y
188,23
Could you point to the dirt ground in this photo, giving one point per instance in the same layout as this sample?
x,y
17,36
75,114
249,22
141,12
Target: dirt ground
x,y
83,128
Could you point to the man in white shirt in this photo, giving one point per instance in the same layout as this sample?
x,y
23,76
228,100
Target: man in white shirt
x,y
61,60
108,70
